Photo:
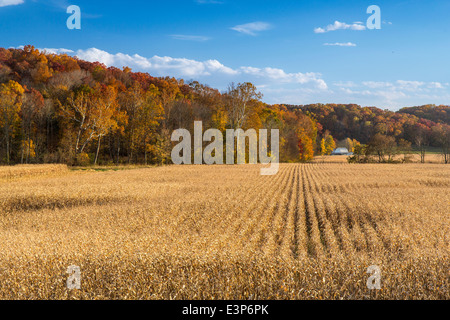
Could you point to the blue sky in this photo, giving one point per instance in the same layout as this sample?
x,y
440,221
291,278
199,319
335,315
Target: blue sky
x,y
294,51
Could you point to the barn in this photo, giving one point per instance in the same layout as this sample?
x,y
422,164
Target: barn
x,y
341,152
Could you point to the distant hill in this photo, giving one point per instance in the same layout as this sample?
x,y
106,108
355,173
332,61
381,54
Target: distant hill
x,y
361,123
439,114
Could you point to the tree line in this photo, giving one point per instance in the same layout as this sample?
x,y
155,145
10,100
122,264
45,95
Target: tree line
x,y
60,109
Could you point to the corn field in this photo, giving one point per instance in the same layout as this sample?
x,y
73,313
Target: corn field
x,y
226,232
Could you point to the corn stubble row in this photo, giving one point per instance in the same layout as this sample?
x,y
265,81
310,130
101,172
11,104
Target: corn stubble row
x,y
225,232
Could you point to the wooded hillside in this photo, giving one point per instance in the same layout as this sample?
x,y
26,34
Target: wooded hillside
x,y
59,109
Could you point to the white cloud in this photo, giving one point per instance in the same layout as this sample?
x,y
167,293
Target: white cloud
x,y
358,26
281,76
413,86
395,94
5,3
56,51
252,28
377,84
182,67
117,60
340,44
190,37
435,85
216,66
345,84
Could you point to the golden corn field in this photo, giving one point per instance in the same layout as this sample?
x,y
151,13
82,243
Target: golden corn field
x,y
226,232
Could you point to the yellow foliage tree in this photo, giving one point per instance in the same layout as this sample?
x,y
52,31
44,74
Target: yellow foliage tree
x,y
11,94
29,148
306,146
330,144
323,148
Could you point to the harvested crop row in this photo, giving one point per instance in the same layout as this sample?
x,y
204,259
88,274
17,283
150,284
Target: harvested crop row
x,y
226,232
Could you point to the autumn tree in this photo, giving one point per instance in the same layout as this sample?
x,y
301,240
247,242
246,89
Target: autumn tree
x,y
361,154
207,105
241,98
41,71
32,111
404,147
441,133
149,117
323,147
169,92
306,146
11,95
91,112
306,136
329,144
105,114
350,144
422,136
77,110
288,126
382,146
132,100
